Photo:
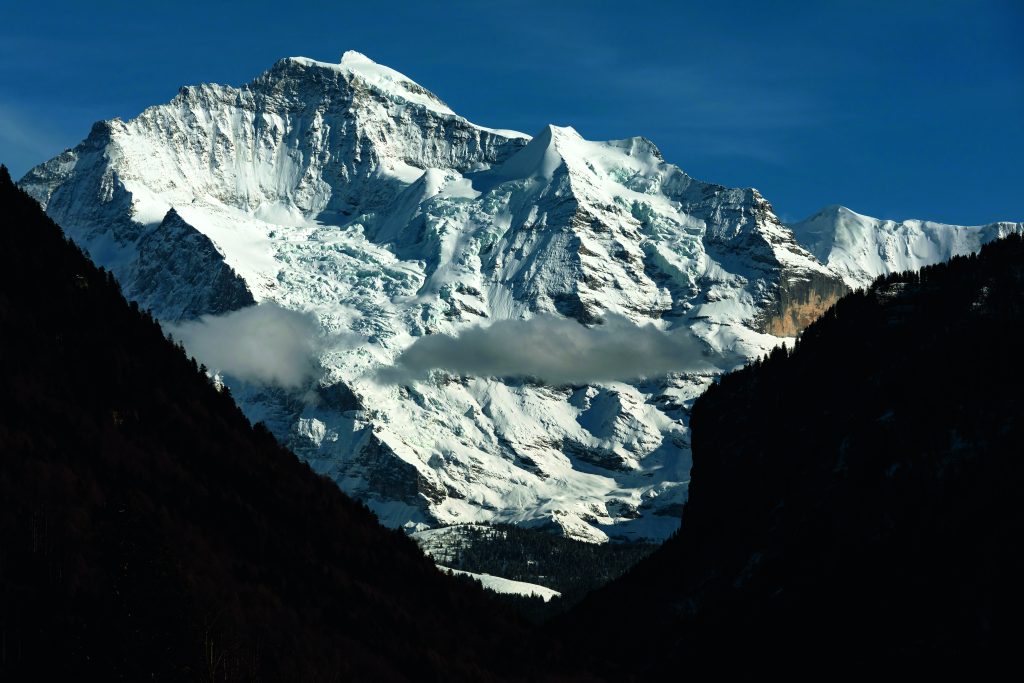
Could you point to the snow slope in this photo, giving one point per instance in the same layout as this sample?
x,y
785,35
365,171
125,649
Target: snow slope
x,y
500,585
860,248
352,193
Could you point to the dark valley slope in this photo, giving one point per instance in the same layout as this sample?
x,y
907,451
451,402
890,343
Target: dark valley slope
x,y
856,502
149,532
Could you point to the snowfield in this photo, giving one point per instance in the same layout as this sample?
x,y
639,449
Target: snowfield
x,y
860,248
500,585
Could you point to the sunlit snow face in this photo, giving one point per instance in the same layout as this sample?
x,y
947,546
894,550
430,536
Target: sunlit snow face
x,y
384,213
554,350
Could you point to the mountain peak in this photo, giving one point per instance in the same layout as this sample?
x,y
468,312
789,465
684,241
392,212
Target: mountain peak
x,y
541,156
563,131
395,85
391,82
353,57
348,191
830,212
838,210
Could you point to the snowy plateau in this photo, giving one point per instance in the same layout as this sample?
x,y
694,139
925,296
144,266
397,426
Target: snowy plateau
x,y
355,197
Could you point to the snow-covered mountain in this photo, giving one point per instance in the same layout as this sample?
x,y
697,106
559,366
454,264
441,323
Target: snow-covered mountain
x,y
351,193
860,248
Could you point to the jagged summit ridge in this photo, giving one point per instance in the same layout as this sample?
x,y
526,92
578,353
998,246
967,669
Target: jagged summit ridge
x,y
860,248
350,192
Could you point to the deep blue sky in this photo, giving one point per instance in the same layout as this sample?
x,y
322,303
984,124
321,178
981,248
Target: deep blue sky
x,y
896,109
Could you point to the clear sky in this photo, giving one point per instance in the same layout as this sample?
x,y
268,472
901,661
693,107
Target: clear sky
x,y
897,109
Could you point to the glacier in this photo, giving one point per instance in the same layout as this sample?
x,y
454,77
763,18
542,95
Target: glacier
x,y
352,194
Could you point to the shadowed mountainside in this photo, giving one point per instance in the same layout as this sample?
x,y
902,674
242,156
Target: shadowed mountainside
x,y
855,502
854,505
149,531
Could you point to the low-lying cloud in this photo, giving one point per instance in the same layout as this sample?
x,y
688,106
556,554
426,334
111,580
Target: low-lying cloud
x,y
553,350
263,344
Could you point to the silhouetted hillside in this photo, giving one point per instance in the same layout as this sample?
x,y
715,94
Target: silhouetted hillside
x,y
855,504
854,507
148,531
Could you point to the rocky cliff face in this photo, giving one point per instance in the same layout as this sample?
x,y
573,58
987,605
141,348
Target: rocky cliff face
x,y
179,271
799,302
352,193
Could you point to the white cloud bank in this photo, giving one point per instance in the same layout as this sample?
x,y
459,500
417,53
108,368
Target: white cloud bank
x,y
262,344
554,350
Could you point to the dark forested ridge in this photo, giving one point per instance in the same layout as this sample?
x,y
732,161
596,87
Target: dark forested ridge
x,y
148,531
855,503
